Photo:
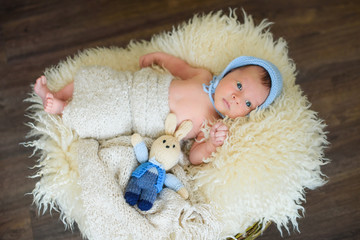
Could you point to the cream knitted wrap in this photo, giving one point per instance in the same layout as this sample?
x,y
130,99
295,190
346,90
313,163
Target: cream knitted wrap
x,y
107,103
259,174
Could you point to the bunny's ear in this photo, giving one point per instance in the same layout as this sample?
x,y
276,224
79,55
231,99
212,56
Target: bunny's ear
x,y
170,124
184,128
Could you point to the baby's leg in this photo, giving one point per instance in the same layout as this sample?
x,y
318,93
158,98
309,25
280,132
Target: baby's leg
x,y
66,93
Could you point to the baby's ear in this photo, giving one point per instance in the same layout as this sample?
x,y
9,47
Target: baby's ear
x,y
170,124
184,128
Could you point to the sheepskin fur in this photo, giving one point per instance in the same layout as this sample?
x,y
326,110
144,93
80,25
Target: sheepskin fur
x,y
259,174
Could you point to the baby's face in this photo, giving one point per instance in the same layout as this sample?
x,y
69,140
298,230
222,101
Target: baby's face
x,y
240,92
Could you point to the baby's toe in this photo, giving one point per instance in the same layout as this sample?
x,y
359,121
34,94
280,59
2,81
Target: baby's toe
x,y
49,96
43,79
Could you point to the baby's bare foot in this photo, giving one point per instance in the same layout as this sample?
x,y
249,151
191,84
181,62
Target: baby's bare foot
x,y
40,88
53,105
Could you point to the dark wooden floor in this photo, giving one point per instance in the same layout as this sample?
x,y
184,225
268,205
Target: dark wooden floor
x,y
324,41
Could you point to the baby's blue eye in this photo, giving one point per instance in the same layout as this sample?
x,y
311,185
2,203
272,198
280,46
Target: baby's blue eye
x,y
248,104
239,85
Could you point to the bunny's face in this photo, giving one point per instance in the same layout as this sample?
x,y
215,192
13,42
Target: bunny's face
x,y
166,150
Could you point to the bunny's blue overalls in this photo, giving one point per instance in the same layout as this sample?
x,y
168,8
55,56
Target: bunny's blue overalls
x,y
148,180
145,183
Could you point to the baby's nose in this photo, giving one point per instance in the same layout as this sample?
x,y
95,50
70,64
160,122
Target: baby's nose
x,y
235,99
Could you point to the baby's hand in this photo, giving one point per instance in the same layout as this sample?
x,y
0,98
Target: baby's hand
x,y
218,134
148,59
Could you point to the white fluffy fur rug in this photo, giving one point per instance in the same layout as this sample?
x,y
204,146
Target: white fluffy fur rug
x,y
263,169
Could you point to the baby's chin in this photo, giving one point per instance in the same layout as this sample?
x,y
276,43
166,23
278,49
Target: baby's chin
x,y
234,116
225,111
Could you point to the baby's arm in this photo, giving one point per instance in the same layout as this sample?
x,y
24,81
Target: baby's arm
x,y
176,66
203,150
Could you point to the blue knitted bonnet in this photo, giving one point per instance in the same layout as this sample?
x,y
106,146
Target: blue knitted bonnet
x,y
275,76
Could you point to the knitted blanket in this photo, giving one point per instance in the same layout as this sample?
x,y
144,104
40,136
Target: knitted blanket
x,y
107,103
104,171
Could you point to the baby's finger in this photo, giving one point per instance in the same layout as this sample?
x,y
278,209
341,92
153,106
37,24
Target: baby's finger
x,y
222,127
216,126
213,129
144,61
220,134
219,141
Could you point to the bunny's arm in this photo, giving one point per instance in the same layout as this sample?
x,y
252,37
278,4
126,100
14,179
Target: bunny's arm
x,y
174,183
141,151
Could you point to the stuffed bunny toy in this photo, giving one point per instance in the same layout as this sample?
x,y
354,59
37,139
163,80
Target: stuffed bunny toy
x,y
148,179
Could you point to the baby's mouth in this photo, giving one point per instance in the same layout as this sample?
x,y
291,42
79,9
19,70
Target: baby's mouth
x,y
226,103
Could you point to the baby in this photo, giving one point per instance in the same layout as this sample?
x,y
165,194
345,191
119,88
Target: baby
x,y
247,83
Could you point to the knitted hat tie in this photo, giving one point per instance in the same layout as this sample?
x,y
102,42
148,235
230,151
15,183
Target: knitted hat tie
x,y
210,89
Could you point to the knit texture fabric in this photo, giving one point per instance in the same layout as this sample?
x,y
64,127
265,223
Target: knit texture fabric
x,y
118,102
103,177
145,167
142,191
